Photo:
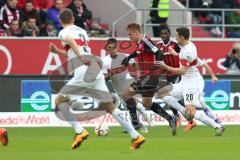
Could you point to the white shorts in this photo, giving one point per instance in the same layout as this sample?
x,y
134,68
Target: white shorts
x,y
97,89
189,90
99,84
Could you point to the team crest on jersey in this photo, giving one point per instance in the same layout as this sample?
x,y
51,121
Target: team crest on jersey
x,y
188,58
138,52
140,46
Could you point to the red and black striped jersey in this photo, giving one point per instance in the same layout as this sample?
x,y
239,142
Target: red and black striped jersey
x,y
147,54
169,59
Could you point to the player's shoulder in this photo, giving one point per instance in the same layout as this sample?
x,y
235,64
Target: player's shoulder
x,y
106,58
160,42
123,55
173,41
146,38
189,48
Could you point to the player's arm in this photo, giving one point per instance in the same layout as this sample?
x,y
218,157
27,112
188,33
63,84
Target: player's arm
x,y
137,72
107,76
153,49
126,60
210,71
106,69
178,71
54,49
73,45
106,73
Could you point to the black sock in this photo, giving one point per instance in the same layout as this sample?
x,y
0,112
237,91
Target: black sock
x,y
158,109
131,105
175,112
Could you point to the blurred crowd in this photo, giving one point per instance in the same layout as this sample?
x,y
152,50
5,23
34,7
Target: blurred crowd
x,y
216,17
38,18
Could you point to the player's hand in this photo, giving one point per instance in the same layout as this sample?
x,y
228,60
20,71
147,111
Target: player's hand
x,y
214,79
53,48
138,75
161,64
125,61
157,63
172,51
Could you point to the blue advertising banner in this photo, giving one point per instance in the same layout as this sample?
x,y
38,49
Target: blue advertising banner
x,y
36,96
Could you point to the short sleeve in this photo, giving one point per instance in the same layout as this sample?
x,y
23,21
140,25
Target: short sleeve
x,y
106,65
187,58
62,35
201,62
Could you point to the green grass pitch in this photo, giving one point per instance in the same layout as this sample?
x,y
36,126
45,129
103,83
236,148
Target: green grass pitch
x,y
55,143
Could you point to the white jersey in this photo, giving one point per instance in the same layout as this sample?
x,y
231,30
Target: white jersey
x,y
201,62
188,57
83,73
81,37
121,79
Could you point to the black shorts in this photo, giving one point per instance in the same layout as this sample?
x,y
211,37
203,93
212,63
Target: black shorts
x,y
146,85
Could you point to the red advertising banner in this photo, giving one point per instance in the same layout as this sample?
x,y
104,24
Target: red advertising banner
x,y
31,56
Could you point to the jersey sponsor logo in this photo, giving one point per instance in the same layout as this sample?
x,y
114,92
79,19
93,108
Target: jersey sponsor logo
x,y
36,96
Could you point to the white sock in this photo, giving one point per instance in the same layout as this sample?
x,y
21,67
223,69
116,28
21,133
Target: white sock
x,y
173,102
202,117
207,110
70,117
118,115
142,110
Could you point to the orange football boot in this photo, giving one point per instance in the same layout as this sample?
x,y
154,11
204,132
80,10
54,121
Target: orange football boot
x,y
79,138
4,136
190,126
136,143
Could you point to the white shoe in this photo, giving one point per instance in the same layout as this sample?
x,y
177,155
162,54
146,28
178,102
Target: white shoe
x,y
143,128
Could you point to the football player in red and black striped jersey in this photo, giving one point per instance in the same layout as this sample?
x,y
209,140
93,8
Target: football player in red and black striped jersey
x,y
167,46
147,55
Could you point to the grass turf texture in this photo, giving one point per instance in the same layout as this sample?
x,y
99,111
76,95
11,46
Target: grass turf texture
x,y
55,143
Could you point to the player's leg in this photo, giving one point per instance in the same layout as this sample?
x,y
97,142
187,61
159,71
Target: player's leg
x,y
171,95
208,111
131,105
63,108
100,92
118,115
174,80
144,113
156,108
140,124
191,100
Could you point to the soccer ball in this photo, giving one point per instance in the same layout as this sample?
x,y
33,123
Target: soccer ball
x,y
102,130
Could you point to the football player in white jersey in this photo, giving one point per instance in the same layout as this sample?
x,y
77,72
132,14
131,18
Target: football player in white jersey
x,y
206,109
88,79
121,79
191,85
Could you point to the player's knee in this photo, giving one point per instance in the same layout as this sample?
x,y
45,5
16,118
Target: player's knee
x,y
131,102
108,106
147,104
61,99
162,93
127,94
